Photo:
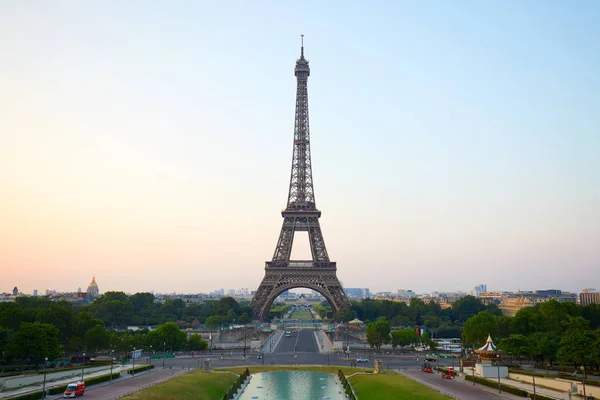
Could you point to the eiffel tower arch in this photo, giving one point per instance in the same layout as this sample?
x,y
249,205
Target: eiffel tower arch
x,y
300,215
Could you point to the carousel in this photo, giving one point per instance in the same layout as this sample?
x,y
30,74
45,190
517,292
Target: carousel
x,y
488,361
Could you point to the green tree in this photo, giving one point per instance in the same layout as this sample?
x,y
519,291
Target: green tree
x,y
84,321
378,332
11,315
170,334
343,315
195,343
97,338
225,304
516,344
466,307
214,321
404,337
114,308
477,328
545,346
244,319
34,341
576,342
58,315
5,337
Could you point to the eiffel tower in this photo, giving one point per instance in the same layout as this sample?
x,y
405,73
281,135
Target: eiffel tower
x,y
301,214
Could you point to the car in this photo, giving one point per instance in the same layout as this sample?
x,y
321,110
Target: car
x,y
74,389
430,359
362,359
259,356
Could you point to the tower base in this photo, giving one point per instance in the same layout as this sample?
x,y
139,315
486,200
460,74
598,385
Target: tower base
x,y
278,280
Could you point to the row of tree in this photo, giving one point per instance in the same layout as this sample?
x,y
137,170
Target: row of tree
x,y
117,309
548,332
32,328
441,322
380,332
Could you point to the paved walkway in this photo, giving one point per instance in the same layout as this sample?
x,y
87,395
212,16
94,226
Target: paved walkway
x,y
555,394
454,387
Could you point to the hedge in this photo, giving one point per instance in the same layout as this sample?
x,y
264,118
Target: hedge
x,y
30,396
141,368
236,385
346,385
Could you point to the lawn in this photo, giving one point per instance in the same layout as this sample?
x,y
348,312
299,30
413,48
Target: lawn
x,y
391,386
199,385
301,314
196,385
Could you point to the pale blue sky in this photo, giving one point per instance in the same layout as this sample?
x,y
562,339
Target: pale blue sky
x,y
149,143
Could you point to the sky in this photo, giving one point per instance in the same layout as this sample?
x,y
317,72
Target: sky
x,y
149,143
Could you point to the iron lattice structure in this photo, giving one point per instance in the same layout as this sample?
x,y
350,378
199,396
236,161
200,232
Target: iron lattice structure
x,y
301,214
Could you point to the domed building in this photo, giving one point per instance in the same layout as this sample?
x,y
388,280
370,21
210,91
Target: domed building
x,y
92,290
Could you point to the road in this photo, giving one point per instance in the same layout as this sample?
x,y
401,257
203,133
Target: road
x,y
125,385
303,341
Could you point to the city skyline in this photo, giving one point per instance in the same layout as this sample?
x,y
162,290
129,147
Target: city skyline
x,y
452,145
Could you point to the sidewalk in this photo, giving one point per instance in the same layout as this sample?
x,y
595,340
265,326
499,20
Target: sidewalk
x,y
523,386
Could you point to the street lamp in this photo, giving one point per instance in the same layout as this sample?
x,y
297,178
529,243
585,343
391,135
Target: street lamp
x,y
133,361
583,381
164,353
82,366
533,378
244,341
44,385
111,364
498,365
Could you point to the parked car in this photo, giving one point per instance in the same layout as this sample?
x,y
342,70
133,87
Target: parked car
x,y
362,359
74,389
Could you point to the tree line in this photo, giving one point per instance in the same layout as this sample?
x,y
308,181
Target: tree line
x,y
439,322
547,332
33,328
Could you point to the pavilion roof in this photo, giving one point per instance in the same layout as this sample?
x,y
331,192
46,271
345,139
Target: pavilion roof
x,y
488,347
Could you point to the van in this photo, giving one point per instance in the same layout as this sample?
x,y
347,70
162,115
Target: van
x,y
75,389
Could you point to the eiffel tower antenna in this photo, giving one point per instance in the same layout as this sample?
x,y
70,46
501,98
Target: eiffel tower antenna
x,y
301,214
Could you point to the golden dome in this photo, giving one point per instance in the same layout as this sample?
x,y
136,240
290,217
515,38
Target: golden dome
x,y
92,289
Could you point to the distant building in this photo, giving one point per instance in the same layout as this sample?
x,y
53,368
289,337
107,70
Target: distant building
x,y
35,293
92,290
589,296
357,293
511,305
478,290
15,291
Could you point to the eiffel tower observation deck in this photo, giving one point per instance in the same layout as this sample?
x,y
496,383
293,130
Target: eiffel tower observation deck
x,y
300,214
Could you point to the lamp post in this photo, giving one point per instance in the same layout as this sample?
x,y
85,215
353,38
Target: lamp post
x,y
473,374
44,384
111,364
164,353
533,378
82,366
498,365
583,381
244,341
133,361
